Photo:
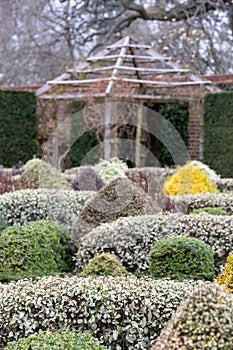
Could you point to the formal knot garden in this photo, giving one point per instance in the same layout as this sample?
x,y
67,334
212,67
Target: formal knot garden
x,y
106,257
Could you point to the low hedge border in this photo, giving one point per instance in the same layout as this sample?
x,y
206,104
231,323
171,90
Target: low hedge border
x,y
131,239
121,312
187,203
225,184
23,206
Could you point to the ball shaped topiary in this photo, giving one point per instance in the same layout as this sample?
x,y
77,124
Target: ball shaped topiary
x,y
58,341
105,264
202,322
37,249
182,258
225,279
87,180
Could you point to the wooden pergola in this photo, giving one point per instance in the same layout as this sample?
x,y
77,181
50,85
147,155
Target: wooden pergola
x,y
130,62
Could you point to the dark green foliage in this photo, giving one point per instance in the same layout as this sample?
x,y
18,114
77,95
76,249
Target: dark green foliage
x,y
218,132
105,264
56,341
178,115
212,211
80,146
203,322
37,249
18,125
3,224
119,198
182,258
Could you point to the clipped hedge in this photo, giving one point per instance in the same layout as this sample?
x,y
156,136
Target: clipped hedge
x,y
56,341
225,278
187,203
37,249
122,312
182,258
204,321
131,239
225,184
211,211
18,127
23,206
118,198
218,121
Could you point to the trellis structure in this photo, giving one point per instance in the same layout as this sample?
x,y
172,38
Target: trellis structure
x,y
150,76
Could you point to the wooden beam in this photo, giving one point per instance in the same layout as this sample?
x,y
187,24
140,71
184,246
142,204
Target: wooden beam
x,y
141,69
76,82
46,87
166,83
113,57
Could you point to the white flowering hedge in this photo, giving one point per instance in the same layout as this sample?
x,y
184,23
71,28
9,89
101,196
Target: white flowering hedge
x,y
20,207
123,313
225,184
187,202
111,170
132,238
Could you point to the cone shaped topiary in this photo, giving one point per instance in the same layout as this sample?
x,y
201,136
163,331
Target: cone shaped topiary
x,y
119,198
105,264
203,322
182,258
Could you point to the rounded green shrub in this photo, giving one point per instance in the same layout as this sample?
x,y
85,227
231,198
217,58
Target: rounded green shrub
x,y
105,264
182,258
56,341
37,249
211,211
204,321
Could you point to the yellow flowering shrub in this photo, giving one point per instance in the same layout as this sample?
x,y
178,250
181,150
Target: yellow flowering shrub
x,y
189,180
225,279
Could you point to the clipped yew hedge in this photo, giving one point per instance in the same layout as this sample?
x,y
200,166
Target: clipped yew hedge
x,y
121,312
18,127
131,239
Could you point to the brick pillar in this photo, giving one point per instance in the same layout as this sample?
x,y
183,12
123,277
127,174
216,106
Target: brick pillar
x,y
195,129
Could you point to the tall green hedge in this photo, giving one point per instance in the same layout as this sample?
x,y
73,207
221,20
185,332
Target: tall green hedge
x,y
218,132
178,115
18,127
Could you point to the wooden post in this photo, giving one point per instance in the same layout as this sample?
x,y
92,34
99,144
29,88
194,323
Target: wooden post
x,y
107,130
138,135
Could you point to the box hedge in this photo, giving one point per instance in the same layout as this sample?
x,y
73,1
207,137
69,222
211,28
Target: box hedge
x,y
121,312
37,249
18,127
204,321
182,258
57,341
131,239
23,206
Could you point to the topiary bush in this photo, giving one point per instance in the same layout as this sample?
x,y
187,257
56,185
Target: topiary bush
x,y
56,341
225,278
111,170
189,179
187,203
37,249
225,184
39,174
213,176
119,198
21,207
132,238
211,211
87,180
182,258
105,264
121,312
203,321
